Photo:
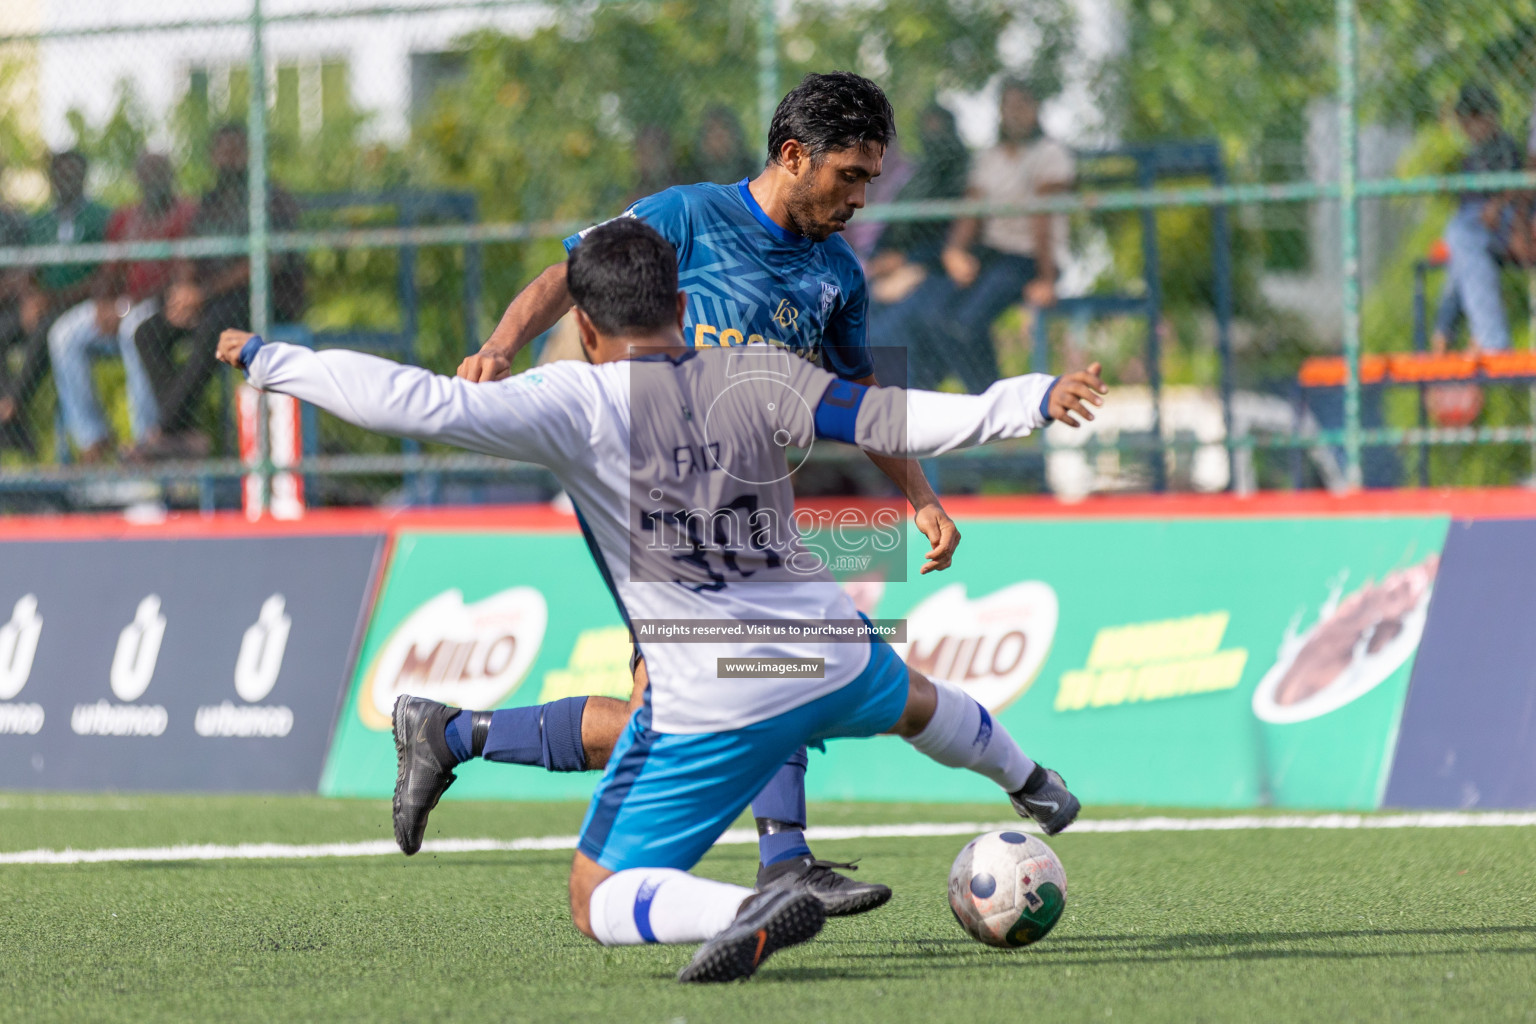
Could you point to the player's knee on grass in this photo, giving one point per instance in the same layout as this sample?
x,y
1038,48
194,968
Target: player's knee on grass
x,y
586,876
922,698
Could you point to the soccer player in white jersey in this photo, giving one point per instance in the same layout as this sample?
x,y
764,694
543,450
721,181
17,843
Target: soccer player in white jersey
x,y
705,740
761,259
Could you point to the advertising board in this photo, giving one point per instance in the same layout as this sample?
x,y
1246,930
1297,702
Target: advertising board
x,y
1468,736
194,664
1202,662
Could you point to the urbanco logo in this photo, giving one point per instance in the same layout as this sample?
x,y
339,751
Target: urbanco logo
x,y
138,650
261,651
133,667
18,648
469,655
257,667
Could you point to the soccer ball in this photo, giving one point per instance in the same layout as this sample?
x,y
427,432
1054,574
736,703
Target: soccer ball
x,y
1007,889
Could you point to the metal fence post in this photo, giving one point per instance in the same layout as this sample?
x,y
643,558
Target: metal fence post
x,y
767,64
256,180
1349,235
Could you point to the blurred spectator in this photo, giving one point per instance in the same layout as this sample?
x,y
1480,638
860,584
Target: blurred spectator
x,y
989,264
906,254
177,343
1481,232
720,152
907,251
13,280
125,295
49,292
655,167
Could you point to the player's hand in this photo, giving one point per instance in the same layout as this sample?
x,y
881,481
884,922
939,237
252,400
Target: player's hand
x,y
231,342
942,533
1074,393
485,365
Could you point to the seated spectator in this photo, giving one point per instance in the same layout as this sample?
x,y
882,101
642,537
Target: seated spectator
x,y
125,296
1483,230
178,343
720,152
49,291
903,255
942,173
989,264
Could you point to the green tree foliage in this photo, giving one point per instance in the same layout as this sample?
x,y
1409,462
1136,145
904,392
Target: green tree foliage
x,y
1205,69
1415,55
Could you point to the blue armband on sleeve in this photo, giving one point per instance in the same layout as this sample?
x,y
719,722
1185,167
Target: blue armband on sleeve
x,y
837,414
1045,402
249,350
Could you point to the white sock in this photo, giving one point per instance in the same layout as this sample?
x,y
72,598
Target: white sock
x,y
962,734
661,905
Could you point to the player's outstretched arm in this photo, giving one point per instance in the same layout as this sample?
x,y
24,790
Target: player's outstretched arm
x,y
894,421
390,398
533,311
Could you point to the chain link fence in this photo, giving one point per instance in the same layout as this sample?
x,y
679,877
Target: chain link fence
x,y
1294,232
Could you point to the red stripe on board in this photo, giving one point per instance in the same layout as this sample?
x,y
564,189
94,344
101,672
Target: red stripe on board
x,y
1508,503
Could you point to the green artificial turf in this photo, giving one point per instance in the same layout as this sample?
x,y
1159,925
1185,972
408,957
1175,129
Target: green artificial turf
x,y
1283,925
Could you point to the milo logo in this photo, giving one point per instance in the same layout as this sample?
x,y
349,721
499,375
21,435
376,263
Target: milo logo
x,y
469,655
993,646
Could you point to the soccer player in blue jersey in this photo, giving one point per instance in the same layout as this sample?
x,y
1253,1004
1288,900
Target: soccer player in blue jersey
x,y
760,261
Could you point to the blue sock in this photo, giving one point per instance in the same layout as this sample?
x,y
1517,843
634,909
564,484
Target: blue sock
x,y
783,800
773,847
457,733
548,735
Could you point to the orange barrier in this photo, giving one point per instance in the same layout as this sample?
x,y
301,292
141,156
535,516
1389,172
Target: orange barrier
x,y
1418,368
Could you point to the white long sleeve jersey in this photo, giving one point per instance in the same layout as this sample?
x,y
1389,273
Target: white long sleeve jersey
x,y
677,466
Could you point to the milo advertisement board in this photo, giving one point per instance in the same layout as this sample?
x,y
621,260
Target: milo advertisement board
x,y
1196,662
479,620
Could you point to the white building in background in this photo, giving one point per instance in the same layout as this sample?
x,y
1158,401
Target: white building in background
x,y
83,72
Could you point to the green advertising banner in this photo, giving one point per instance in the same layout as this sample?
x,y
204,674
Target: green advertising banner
x,y
480,620
1194,662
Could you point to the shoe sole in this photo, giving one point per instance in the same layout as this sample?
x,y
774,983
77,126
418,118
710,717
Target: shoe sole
x,y
1062,822
397,813
799,920
848,904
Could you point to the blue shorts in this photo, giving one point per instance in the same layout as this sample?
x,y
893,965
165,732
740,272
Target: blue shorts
x,y
665,797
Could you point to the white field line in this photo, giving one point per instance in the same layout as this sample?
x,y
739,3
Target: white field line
x,y
384,847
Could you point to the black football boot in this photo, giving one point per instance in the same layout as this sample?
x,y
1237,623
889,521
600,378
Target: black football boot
x,y
767,922
424,765
839,894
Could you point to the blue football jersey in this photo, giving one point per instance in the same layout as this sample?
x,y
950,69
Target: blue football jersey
x,y
749,280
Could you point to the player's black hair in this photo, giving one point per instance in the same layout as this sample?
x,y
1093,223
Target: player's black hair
x,y
837,110
623,275
228,128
